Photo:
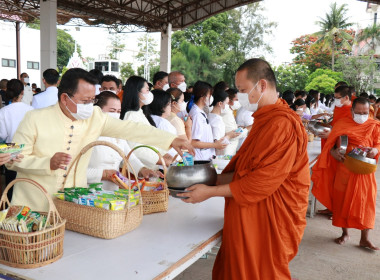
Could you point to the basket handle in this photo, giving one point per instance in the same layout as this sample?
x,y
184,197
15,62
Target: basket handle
x,y
52,209
126,163
159,155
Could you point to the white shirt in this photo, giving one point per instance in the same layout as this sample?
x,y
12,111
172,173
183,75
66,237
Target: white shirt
x,y
10,118
217,125
229,119
45,99
97,89
28,95
148,157
164,124
201,131
244,117
106,158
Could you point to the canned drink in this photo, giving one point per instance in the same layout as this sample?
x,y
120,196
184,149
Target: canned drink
x,y
188,159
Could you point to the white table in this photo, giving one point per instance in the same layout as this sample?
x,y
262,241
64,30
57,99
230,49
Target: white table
x,y
163,246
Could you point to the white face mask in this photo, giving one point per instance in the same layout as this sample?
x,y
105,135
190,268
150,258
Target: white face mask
x,y
244,100
148,98
338,103
182,86
223,109
113,91
114,115
84,111
236,105
360,119
165,87
26,80
209,101
182,106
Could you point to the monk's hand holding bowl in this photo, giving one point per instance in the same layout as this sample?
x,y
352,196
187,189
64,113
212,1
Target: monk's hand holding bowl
x,y
197,193
59,160
337,154
325,134
372,153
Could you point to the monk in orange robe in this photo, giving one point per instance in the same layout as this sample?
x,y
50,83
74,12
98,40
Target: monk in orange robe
x,y
266,185
350,196
120,94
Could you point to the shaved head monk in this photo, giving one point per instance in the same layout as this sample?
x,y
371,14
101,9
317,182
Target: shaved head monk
x,y
265,186
350,196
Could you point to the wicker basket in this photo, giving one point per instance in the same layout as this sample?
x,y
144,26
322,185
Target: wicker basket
x,y
154,201
32,249
358,167
100,222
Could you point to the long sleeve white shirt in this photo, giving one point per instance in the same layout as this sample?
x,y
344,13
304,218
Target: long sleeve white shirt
x,y
28,95
106,158
10,118
45,99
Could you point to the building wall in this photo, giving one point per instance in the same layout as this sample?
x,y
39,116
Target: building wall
x,y
30,51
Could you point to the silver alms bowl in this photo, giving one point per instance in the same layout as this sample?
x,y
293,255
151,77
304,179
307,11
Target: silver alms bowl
x,y
181,177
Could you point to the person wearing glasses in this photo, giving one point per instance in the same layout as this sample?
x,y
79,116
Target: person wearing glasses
x,y
54,136
202,137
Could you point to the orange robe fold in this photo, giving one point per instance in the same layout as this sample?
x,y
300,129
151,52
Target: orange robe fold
x,y
351,197
339,113
265,220
120,95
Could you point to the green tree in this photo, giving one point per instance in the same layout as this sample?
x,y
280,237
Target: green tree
x,y
126,70
323,84
196,62
358,71
337,76
231,37
333,30
293,77
373,33
65,45
117,46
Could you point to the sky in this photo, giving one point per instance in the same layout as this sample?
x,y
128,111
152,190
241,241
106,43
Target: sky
x,y
294,18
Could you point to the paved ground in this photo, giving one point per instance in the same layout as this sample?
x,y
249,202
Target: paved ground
x,y
319,257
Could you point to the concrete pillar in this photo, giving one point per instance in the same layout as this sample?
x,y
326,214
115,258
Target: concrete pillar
x,y
48,35
166,49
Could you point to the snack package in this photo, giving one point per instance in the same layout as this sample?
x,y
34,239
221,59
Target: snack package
x,y
102,204
12,148
118,204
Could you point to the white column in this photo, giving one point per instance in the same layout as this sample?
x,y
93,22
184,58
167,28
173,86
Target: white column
x,y
166,49
48,35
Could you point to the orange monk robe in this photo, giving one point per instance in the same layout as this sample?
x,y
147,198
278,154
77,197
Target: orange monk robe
x,y
371,112
265,220
353,97
120,95
350,196
339,113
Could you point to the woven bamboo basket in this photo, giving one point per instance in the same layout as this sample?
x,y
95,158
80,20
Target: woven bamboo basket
x,y
98,222
32,249
154,201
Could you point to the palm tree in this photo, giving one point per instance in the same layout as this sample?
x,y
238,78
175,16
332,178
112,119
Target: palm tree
x,y
372,32
333,30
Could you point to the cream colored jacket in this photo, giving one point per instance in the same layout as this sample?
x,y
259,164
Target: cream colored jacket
x,y
48,131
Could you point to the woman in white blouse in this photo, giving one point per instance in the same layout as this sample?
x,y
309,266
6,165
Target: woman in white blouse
x,y
220,104
183,126
136,95
10,118
104,160
202,137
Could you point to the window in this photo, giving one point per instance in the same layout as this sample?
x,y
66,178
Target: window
x,y
115,66
5,62
33,65
102,66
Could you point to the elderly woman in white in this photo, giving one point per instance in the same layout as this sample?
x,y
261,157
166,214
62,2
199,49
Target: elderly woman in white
x,y
104,160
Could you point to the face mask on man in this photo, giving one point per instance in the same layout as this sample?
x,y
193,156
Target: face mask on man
x,y
338,103
26,80
84,111
182,86
360,119
148,98
236,105
244,100
165,87
114,115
